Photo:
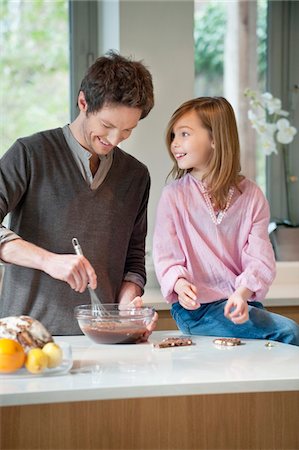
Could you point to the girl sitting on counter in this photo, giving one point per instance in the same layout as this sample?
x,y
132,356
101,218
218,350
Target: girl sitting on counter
x,y
212,254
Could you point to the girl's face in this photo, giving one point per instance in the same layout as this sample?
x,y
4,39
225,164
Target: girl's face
x,y
192,144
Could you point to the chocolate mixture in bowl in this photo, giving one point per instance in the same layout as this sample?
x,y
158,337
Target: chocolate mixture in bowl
x,y
116,326
114,332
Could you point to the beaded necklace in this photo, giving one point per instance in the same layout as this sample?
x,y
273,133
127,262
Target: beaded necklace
x,y
215,216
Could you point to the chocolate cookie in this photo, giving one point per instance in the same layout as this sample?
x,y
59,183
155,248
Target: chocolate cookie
x,y
174,342
227,342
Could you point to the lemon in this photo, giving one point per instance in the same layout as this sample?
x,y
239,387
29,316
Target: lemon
x,y
36,360
54,354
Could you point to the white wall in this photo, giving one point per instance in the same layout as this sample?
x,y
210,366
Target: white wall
x,y
161,34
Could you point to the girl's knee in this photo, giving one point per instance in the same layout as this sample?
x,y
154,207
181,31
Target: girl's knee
x,y
179,315
183,328
294,333
290,332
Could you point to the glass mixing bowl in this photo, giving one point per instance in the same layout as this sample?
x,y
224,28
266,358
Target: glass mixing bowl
x,y
119,326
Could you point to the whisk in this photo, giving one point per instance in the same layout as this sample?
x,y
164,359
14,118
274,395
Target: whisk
x,y
96,305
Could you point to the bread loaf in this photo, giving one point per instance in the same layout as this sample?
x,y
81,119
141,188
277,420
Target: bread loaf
x,y
29,332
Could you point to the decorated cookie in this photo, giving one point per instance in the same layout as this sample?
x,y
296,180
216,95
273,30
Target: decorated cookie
x,y
174,342
227,342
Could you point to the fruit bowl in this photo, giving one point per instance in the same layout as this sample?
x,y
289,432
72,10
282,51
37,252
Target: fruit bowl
x,y
63,368
119,326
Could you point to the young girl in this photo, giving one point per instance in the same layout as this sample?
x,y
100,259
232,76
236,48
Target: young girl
x,y
212,253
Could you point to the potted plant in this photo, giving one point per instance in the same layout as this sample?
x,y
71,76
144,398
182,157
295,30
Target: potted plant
x,y
275,134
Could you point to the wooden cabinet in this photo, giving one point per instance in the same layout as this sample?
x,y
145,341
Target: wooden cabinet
x,y
267,421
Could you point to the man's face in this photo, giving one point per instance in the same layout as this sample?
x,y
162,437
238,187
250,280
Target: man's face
x,y
103,130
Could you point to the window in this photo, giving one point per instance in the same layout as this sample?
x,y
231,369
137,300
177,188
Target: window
x,y
283,70
34,66
230,55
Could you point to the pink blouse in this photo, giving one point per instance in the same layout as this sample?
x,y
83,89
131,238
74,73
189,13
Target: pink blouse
x,y
216,258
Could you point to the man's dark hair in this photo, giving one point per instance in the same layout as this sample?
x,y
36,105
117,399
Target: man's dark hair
x,y
114,79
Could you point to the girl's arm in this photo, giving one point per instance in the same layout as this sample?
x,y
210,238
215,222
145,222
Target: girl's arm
x,y
258,262
169,258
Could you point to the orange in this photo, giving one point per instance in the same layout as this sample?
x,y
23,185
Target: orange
x,y
12,355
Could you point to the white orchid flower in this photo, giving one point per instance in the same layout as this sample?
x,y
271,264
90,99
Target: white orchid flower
x,y
257,115
259,123
276,132
252,116
266,96
283,113
272,104
286,132
268,119
268,145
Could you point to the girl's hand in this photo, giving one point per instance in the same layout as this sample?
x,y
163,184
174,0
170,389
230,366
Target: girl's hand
x,y
187,294
236,308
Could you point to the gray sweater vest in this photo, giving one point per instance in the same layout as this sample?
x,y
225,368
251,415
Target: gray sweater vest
x,y
51,203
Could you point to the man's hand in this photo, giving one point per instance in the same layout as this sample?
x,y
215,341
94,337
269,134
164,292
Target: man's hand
x,y
128,292
187,294
137,302
236,308
75,270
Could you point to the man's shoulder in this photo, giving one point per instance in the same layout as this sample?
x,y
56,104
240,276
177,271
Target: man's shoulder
x,y
49,136
34,145
130,161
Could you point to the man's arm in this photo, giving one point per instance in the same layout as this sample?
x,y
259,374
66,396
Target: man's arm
x,y
73,269
135,258
14,179
128,292
135,277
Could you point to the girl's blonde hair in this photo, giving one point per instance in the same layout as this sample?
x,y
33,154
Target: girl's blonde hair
x,y
223,168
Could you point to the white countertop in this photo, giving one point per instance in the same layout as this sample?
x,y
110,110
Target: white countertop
x,y
133,371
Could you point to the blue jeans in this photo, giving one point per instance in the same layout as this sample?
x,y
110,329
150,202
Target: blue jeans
x,y
209,320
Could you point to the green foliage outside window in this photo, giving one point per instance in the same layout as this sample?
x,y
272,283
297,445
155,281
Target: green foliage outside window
x,y
210,28
34,65
209,37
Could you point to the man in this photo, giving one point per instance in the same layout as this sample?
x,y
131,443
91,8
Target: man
x,y
76,182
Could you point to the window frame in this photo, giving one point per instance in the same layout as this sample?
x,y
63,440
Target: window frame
x,y
282,70
83,42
